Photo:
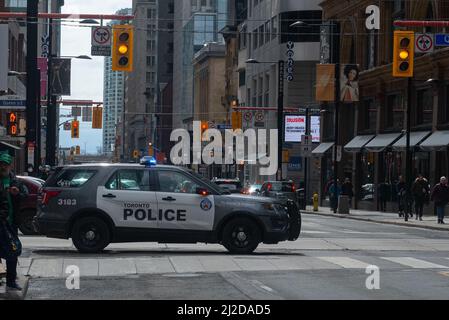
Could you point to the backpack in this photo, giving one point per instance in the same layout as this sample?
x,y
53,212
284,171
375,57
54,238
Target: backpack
x,y
10,245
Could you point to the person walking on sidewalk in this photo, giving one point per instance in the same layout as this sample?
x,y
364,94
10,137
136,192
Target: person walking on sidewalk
x,y
401,190
347,190
11,192
334,194
420,192
440,195
383,196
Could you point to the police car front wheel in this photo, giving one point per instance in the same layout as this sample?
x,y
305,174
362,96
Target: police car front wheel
x,y
241,236
90,235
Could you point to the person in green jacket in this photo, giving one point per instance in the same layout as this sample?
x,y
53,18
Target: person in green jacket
x,y
11,192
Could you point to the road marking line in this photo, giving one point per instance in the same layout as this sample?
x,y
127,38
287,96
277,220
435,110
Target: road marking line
x,y
345,262
415,263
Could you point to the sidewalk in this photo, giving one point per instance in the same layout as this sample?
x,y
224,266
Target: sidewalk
x,y
429,222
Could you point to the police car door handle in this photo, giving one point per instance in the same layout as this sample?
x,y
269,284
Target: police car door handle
x,y
109,195
169,199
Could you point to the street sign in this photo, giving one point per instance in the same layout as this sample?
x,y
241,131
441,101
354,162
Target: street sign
x,y
442,40
224,126
260,116
12,102
424,43
67,126
248,116
101,41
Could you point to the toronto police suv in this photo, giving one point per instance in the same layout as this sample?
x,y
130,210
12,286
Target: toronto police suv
x,y
98,204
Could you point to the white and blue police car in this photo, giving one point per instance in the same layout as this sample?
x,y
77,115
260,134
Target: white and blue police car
x,y
99,204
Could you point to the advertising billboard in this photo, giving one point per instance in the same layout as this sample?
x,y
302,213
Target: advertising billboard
x,y
295,128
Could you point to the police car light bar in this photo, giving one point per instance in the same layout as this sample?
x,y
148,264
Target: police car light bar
x,y
148,161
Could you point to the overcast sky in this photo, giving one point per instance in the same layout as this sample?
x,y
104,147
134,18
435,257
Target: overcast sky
x,y
87,75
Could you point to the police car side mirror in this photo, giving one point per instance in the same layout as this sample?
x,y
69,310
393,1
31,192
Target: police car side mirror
x,y
202,192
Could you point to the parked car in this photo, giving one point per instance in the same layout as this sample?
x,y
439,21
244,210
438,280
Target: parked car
x,y
281,190
232,185
28,206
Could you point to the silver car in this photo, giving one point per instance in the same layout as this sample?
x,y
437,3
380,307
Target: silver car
x,y
98,204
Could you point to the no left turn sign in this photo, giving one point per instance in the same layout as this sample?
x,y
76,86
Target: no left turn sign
x,y
424,43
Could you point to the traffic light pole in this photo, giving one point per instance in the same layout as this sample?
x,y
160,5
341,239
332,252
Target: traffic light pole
x,y
306,159
336,132
50,149
280,115
32,85
408,154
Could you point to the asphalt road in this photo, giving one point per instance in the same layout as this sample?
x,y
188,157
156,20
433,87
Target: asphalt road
x,y
328,261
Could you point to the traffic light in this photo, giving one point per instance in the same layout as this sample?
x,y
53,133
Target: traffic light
x,y
11,124
403,54
150,150
75,129
77,150
122,48
204,128
236,120
97,118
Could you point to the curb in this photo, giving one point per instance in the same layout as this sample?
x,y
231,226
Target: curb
x,y
402,224
23,281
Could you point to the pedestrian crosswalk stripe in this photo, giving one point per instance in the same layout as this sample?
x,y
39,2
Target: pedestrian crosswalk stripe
x,y
415,263
345,262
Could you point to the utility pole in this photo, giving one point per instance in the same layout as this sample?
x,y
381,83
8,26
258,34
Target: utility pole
x,y
32,86
280,119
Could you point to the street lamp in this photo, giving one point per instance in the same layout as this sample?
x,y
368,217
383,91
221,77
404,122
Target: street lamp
x,y
88,21
280,108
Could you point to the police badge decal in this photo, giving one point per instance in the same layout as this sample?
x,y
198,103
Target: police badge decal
x,y
206,204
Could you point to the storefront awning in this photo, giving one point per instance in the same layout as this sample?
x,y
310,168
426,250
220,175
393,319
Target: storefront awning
x,y
356,144
323,148
415,139
438,141
382,141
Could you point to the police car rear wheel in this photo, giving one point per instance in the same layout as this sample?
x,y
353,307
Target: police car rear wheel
x,y
90,235
241,236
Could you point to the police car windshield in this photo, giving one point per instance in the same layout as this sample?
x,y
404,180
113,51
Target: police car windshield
x,y
206,181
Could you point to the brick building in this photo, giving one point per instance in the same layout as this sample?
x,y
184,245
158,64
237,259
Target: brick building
x,y
371,130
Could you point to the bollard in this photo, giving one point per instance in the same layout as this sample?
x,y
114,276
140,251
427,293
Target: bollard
x,y
315,202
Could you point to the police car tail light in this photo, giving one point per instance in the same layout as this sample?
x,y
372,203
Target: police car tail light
x,y
47,195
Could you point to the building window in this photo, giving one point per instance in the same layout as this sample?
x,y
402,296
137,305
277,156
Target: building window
x,y
395,112
274,27
424,107
267,31
368,115
242,38
242,78
255,38
261,35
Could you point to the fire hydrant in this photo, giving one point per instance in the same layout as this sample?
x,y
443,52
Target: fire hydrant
x,y
315,202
